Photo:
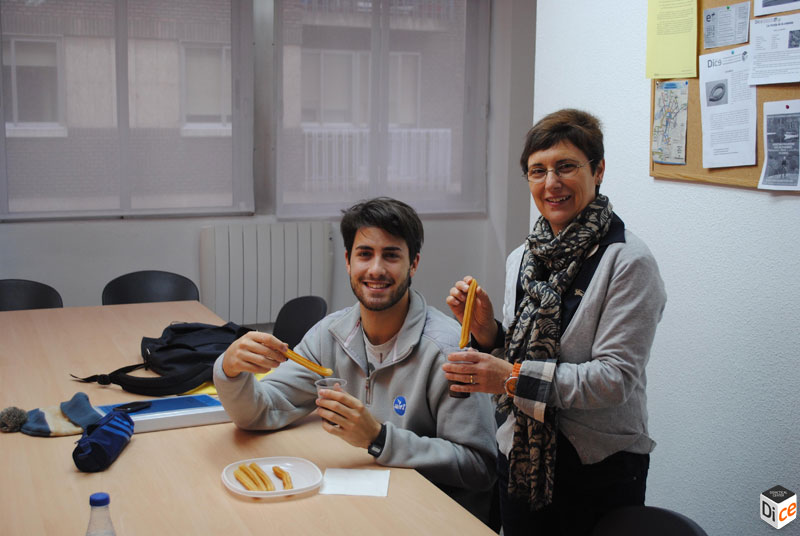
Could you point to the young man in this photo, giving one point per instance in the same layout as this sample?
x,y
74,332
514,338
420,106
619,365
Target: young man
x,y
389,347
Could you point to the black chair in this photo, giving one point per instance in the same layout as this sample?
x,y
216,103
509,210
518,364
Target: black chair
x,y
18,294
297,316
650,520
149,286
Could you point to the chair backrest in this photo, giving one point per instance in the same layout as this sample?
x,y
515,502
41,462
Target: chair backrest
x,y
297,316
650,520
149,286
18,294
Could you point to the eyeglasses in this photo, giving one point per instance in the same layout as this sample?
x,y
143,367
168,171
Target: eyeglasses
x,y
563,170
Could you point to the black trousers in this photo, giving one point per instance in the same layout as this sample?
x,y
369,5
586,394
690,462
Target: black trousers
x,y
582,494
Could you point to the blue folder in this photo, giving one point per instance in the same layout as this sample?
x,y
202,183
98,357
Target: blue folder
x,y
175,412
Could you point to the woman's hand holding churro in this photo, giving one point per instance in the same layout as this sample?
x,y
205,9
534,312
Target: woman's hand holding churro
x,y
481,322
472,371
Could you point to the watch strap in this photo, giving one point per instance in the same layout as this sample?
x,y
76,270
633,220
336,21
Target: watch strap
x,y
513,376
376,447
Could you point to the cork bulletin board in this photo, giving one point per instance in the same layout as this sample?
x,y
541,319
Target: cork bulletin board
x,y
693,170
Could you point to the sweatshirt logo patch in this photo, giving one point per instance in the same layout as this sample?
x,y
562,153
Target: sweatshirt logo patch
x,y
400,405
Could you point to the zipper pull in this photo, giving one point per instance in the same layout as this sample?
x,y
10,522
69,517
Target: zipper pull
x,y
367,384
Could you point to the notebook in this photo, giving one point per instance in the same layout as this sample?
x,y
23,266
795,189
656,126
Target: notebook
x,y
175,412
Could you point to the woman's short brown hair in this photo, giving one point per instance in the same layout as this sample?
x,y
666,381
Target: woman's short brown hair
x,y
580,128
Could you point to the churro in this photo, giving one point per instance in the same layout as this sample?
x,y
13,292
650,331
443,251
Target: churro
x,y
264,477
310,365
260,486
468,307
284,476
245,479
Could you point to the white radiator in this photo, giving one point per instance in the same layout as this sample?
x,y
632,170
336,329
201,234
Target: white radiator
x,y
248,271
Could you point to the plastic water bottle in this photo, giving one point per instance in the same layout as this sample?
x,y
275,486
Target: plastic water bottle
x,y
100,517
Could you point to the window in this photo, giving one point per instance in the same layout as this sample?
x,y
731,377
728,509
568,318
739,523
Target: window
x,y
336,87
31,86
125,108
382,97
337,80
403,89
206,95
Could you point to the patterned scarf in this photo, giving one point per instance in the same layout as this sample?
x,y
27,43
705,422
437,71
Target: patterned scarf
x,y
550,264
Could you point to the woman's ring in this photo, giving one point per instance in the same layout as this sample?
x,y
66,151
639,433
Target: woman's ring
x,y
472,379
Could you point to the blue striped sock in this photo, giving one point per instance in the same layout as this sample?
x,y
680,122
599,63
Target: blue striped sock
x,y
102,442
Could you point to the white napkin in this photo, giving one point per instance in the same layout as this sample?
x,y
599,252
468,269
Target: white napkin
x,y
355,482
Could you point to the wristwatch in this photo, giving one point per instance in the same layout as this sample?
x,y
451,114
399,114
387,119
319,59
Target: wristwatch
x,y
376,447
511,381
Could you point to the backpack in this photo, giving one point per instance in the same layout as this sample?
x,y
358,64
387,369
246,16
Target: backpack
x,y
184,356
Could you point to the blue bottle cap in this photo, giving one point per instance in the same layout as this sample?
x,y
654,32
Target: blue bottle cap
x,y
99,499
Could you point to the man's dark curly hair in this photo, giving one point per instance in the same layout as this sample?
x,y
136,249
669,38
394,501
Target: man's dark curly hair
x,y
391,215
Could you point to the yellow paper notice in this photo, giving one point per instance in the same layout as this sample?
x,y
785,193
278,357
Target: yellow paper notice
x,y
671,38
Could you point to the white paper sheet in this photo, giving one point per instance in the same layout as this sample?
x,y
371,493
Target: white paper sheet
x,y
727,109
355,482
782,146
726,25
776,50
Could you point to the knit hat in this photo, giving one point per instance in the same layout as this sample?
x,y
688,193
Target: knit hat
x,y
68,418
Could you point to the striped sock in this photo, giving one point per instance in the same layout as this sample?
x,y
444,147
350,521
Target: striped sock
x,y
102,442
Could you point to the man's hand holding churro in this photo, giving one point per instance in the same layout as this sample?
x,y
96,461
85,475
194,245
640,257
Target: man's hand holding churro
x,y
259,352
351,419
256,352
482,324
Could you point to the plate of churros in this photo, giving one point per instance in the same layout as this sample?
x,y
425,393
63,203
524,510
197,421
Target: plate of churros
x,y
271,477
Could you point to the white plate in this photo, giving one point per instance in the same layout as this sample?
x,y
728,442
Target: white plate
x,y
305,476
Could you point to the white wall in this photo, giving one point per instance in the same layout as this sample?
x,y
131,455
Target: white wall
x,y
724,374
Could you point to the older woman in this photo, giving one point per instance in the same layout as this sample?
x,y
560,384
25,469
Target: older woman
x,y
583,298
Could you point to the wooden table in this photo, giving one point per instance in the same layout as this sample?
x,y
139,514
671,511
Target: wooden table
x,y
168,482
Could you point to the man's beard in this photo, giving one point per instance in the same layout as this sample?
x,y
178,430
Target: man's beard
x,y
394,298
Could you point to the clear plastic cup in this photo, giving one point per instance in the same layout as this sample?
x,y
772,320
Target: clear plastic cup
x,y
330,383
